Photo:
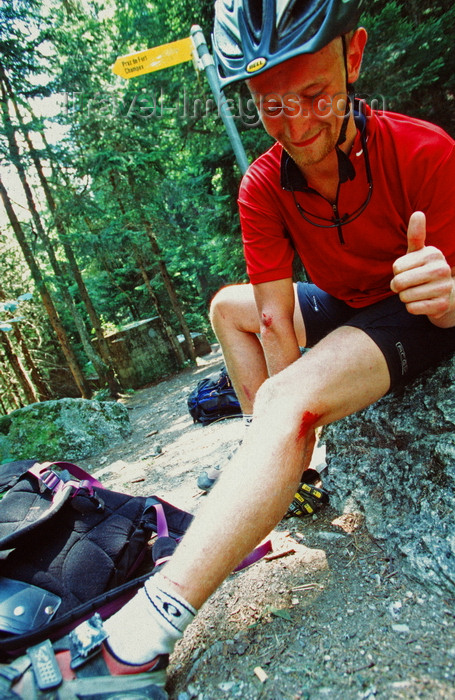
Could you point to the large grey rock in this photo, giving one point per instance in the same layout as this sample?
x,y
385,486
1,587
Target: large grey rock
x,y
395,462
66,429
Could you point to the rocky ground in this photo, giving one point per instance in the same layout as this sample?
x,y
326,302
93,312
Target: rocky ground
x,y
330,616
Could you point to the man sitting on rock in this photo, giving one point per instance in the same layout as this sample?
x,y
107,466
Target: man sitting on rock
x,y
366,200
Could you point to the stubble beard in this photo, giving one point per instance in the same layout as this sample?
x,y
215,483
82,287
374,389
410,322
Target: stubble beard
x,y
304,158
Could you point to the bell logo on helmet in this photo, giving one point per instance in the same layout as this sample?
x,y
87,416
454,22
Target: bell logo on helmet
x,y
256,64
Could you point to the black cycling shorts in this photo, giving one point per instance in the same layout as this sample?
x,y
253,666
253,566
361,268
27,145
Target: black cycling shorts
x,y
410,344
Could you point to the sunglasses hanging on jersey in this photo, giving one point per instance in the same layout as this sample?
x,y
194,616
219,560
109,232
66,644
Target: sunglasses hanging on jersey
x,y
338,221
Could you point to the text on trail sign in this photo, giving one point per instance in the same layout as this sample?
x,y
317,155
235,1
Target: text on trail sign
x,y
150,60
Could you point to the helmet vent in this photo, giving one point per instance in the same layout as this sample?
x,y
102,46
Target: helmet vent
x,y
294,15
255,14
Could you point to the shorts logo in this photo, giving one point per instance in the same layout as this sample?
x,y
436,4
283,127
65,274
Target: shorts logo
x,y
403,358
256,64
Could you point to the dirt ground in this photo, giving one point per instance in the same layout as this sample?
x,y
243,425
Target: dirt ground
x,y
332,617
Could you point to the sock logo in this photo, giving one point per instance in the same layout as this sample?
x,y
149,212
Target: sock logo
x,y
170,609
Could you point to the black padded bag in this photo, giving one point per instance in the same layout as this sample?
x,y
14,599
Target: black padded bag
x,y
75,539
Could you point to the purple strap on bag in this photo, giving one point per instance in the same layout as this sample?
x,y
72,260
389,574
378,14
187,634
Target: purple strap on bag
x,y
73,469
257,554
161,522
43,472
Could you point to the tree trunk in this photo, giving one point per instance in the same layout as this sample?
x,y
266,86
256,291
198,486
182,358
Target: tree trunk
x,y
35,374
60,278
170,289
176,349
10,392
17,161
18,369
16,158
103,347
45,296
167,281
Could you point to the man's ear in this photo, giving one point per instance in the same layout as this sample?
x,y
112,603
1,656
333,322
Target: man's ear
x,y
355,53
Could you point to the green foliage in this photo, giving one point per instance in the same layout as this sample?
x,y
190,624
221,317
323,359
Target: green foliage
x,y
409,59
22,32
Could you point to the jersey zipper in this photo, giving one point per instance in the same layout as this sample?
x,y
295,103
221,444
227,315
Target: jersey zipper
x,y
337,219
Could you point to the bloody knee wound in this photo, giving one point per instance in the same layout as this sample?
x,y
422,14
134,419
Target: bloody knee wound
x,y
308,421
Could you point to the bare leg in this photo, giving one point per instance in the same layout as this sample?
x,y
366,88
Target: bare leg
x,y
235,320
344,373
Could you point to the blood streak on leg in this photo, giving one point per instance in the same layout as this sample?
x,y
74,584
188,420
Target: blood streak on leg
x,y
246,391
308,421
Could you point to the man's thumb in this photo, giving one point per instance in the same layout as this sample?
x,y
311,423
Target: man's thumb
x,y
417,231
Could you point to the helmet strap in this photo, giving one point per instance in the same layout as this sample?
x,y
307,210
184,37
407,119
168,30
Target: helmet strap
x,y
345,168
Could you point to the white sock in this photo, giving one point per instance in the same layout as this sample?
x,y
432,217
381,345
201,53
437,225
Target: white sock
x,y
247,420
150,623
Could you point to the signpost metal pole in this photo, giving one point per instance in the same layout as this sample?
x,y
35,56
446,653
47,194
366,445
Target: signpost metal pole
x,y
205,61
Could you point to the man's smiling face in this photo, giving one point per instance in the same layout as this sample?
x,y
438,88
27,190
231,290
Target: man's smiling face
x,y
302,102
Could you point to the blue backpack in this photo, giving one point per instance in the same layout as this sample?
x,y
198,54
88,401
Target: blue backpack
x,y
213,399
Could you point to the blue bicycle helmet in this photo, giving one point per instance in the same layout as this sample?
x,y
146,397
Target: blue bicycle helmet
x,y
250,36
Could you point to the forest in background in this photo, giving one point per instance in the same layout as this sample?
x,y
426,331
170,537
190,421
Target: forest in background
x,y
118,198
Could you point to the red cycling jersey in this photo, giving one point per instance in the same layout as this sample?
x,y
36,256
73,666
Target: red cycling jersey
x,y
413,169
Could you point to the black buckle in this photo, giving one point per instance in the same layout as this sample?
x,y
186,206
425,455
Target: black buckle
x,y
86,640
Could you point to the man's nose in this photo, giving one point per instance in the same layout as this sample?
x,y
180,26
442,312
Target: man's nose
x,y
296,122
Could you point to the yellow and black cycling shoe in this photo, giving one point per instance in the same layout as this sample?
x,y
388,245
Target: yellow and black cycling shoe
x,y
307,500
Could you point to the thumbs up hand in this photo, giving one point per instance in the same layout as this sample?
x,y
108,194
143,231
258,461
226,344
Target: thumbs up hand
x,y
423,279
417,232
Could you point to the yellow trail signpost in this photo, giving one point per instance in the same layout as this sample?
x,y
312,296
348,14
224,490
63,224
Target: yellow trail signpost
x,y
193,48
150,60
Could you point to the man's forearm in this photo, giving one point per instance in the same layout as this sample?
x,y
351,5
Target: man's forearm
x,y
280,348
